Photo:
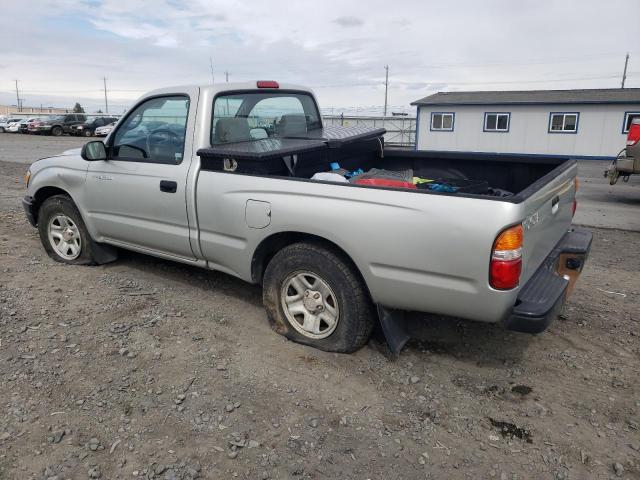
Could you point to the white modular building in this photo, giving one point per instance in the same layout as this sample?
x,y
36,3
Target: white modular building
x,y
587,124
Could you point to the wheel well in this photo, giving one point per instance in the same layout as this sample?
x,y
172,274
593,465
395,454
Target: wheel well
x,y
276,242
42,194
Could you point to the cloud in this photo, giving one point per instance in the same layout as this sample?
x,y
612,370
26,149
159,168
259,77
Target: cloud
x,y
336,47
348,21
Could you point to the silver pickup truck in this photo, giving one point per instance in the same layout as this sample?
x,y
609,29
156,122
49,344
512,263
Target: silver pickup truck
x,y
245,179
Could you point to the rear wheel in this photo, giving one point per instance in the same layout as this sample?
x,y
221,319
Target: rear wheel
x,y
63,233
314,296
56,131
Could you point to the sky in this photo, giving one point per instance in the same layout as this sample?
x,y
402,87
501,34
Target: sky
x,y
60,50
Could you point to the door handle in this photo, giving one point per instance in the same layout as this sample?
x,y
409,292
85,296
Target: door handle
x,y
168,186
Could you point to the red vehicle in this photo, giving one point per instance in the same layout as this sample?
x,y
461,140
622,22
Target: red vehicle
x,y
628,161
32,127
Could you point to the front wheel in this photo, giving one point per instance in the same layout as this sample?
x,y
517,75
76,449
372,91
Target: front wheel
x,y
56,131
314,296
63,234
86,132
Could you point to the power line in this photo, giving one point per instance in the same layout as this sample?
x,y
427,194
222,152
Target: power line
x,y
490,82
211,64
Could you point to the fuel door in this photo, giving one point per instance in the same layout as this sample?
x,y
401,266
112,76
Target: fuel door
x,y
257,214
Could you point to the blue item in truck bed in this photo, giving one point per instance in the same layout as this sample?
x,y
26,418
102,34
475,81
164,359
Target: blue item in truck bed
x,y
440,187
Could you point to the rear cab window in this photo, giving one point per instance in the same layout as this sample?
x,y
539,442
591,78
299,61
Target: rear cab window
x,y
251,115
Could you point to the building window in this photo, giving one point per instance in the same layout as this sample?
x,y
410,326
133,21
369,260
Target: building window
x,y
563,122
628,118
496,121
442,121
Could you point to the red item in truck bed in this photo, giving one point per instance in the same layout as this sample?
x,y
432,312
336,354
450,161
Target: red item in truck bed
x,y
383,182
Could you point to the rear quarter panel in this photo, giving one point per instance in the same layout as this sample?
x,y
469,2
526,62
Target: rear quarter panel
x,y
423,252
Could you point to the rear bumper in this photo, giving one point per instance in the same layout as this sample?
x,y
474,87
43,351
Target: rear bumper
x,y
28,205
541,298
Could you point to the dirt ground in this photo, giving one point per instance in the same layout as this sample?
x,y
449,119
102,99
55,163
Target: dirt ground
x,y
145,368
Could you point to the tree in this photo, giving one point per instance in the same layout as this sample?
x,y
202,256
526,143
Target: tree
x,y
77,108
99,110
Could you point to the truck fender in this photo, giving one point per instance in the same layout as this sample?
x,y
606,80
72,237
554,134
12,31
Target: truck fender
x,y
393,322
102,253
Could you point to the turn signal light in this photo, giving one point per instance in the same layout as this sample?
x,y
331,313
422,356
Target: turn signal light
x,y
506,259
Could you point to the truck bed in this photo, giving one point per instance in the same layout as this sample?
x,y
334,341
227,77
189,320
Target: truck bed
x,y
521,175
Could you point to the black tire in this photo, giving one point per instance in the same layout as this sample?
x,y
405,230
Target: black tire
x,y
356,317
87,132
1,129
56,131
63,205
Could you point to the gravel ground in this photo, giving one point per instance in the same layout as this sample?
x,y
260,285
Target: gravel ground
x,y
145,368
604,205
21,148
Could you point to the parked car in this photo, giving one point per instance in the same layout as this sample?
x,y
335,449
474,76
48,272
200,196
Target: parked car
x,y
32,127
57,125
105,130
14,127
627,162
485,237
25,123
4,125
89,127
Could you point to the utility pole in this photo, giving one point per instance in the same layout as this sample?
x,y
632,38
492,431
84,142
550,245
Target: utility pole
x,y
106,104
211,64
624,73
18,98
386,88
226,76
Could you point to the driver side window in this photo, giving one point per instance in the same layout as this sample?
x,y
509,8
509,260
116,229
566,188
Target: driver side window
x,y
153,132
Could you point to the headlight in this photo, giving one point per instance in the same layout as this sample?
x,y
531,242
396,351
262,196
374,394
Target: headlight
x,y
79,127
27,177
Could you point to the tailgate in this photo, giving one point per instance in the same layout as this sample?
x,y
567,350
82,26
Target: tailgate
x,y
548,212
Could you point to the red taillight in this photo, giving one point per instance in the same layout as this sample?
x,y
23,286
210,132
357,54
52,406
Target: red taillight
x,y
506,259
267,84
634,134
505,274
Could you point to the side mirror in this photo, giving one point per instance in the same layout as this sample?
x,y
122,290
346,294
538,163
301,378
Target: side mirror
x,y
93,151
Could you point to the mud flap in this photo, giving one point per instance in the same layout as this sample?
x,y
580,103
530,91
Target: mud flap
x,y
394,327
103,253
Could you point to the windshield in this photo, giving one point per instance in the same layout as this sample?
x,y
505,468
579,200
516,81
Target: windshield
x,y
56,117
254,115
